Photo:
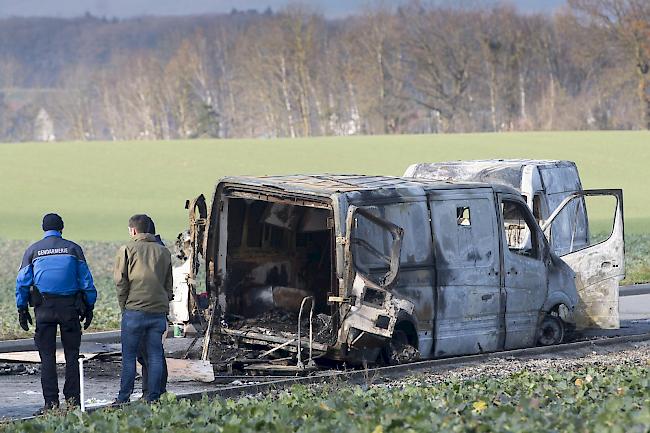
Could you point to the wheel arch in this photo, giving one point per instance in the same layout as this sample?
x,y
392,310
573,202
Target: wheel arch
x,y
406,323
555,301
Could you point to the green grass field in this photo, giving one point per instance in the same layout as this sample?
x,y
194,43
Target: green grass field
x,y
96,186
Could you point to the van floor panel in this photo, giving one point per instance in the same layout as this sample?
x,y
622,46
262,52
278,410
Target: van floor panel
x,y
284,324
270,339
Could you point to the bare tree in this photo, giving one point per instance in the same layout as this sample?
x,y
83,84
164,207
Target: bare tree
x,y
425,66
627,23
442,49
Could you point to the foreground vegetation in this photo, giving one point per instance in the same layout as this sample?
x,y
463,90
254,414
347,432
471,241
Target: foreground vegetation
x,y
589,399
109,181
637,259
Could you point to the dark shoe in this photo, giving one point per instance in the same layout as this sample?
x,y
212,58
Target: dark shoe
x,y
49,406
117,403
73,402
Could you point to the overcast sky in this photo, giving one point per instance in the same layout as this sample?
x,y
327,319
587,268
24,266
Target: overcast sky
x,y
131,8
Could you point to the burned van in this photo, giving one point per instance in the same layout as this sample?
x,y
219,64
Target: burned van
x,y
362,267
585,221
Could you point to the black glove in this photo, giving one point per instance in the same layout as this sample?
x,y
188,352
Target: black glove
x,y
88,315
23,318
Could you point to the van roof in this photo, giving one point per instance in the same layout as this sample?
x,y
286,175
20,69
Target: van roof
x,y
505,162
503,171
325,185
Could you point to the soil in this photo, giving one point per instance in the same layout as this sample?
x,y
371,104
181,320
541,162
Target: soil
x,y
502,367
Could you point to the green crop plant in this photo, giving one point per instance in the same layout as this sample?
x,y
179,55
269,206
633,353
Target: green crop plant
x,y
590,399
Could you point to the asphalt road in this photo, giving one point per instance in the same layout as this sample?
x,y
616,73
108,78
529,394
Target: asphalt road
x,y
635,289
634,307
21,395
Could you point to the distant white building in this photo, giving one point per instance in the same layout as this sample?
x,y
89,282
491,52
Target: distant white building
x,y
43,126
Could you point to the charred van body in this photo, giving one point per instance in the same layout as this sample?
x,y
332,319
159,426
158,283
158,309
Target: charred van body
x,y
368,267
554,193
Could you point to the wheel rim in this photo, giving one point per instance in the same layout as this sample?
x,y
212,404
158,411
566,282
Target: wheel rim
x,y
551,331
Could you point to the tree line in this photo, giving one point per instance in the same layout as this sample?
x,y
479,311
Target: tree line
x,y
420,68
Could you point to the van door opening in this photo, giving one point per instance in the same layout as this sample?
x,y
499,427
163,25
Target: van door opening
x,y
187,305
278,266
524,273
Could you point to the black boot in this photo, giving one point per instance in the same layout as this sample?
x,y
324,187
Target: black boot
x,y
49,406
73,402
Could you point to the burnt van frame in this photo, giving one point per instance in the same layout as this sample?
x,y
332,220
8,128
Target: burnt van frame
x,y
348,198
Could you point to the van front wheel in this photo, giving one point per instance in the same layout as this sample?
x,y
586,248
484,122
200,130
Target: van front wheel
x,y
551,331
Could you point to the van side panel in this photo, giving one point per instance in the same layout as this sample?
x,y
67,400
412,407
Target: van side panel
x,y
469,316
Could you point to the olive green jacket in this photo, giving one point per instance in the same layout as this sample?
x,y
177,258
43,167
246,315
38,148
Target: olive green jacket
x,y
143,275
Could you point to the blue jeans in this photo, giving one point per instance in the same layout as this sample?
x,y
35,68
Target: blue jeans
x,y
139,326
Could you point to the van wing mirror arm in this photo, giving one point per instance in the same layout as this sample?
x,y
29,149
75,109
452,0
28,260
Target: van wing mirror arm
x,y
558,209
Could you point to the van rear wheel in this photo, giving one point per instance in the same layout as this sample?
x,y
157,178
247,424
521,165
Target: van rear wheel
x,y
551,331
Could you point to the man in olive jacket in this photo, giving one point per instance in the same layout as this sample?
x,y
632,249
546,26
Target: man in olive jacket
x,y
143,276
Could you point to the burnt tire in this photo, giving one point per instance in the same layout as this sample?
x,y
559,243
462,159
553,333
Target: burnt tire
x,y
551,331
399,351
570,332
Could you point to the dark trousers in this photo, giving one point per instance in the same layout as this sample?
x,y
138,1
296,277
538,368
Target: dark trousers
x,y
137,327
52,313
143,359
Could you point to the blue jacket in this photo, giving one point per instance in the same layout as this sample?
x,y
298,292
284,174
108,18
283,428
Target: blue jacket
x,y
56,266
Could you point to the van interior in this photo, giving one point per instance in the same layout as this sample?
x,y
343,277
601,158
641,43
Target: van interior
x,y
277,255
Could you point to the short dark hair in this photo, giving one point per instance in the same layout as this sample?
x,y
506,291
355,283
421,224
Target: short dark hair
x,y
152,226
140,222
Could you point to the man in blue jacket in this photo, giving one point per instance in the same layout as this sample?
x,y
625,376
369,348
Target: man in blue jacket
x,y
55,279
